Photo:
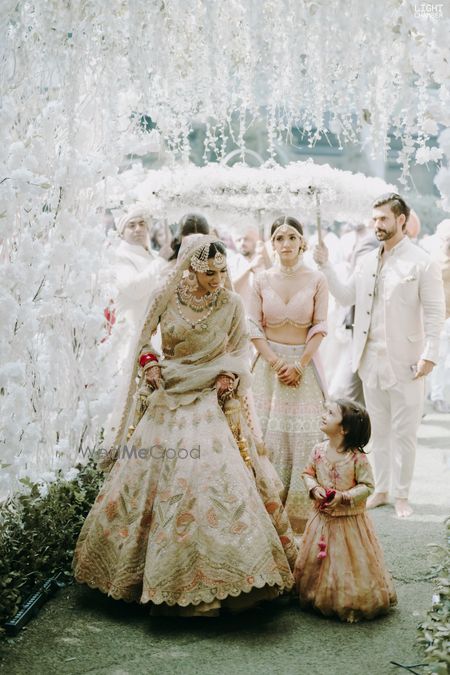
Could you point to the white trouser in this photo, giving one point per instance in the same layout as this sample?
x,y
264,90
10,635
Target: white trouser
x,y
395,415
439,375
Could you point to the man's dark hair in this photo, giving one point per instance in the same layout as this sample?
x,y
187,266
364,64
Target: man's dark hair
x,y
396,203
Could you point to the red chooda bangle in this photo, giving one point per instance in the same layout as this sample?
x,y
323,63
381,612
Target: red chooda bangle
x,y
146,358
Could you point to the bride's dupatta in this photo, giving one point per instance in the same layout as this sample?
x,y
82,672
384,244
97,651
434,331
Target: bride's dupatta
x,y
184,377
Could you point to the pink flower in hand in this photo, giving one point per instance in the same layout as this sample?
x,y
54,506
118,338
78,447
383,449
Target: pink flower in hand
x,y
322,549
329,496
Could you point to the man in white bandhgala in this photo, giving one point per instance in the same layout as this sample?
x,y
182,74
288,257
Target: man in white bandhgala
x,y
399,314
136,273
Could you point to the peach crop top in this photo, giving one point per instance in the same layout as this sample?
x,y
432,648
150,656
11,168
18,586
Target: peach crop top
x,y
307,307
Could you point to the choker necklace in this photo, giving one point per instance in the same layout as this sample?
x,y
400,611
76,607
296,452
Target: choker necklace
x,y
188,299
289,270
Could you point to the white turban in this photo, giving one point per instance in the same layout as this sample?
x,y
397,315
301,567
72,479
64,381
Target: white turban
x,y
134,212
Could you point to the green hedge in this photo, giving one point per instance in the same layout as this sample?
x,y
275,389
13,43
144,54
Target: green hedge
x,y
38,534
434,632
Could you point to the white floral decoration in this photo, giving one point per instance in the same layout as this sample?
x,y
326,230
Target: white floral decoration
x,y
442,179
242,191
75,79
426,154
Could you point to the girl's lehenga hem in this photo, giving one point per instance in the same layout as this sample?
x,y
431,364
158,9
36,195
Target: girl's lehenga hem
x,y
350,615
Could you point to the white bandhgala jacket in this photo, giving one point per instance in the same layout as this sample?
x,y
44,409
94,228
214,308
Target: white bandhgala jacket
x,y
414,308
137,273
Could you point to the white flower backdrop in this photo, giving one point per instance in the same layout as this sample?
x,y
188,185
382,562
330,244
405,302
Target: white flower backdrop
x,y
75,78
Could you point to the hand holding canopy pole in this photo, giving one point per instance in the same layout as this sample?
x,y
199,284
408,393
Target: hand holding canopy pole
x,y
318,217
316,192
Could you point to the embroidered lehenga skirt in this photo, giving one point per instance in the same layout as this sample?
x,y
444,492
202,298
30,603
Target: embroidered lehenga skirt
x,y
185,523
290,420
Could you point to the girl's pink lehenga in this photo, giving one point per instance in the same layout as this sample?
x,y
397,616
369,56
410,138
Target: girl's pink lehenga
x,y
340,568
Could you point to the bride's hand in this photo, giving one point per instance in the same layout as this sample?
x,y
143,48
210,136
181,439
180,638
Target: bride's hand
x,y
289,376
153,376
224,384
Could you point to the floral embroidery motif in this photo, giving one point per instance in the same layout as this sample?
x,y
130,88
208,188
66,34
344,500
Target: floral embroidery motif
x,y
212,518
179,524
111,510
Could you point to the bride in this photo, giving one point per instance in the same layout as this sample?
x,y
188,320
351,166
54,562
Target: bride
x,y
188,517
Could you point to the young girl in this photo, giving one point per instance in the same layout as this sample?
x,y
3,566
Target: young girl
x,y
340,568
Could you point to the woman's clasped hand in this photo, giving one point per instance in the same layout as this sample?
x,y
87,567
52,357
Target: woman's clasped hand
x,y
153,377
289,374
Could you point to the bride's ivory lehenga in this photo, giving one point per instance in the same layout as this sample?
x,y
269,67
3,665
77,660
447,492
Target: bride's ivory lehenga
x,y
186,521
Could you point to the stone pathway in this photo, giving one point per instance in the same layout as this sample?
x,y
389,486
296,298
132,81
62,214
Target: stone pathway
x,y
81,631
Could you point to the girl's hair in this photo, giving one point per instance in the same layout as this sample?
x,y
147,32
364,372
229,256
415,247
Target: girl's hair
x,y
355,424
287,220
191,223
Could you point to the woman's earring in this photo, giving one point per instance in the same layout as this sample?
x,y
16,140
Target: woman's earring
x,y
192,281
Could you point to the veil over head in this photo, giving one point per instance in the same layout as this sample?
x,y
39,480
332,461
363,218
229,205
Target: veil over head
x,y
124,409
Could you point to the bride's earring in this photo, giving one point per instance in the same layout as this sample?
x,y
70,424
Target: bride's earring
x,y
191,281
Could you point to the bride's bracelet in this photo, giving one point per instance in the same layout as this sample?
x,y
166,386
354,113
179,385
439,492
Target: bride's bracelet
x,y
227,373
150,365
277,365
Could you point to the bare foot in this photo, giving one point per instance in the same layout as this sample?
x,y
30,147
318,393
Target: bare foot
x,y
403,508
377,499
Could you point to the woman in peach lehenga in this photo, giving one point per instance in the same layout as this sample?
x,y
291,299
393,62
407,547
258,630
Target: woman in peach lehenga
x,y
287,324
340,568
191,519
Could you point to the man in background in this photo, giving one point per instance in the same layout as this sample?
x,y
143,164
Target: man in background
x,y
398,295
250,259
438,245
136,272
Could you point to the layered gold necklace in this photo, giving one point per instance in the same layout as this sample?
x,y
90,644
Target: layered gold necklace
x,y
186,298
